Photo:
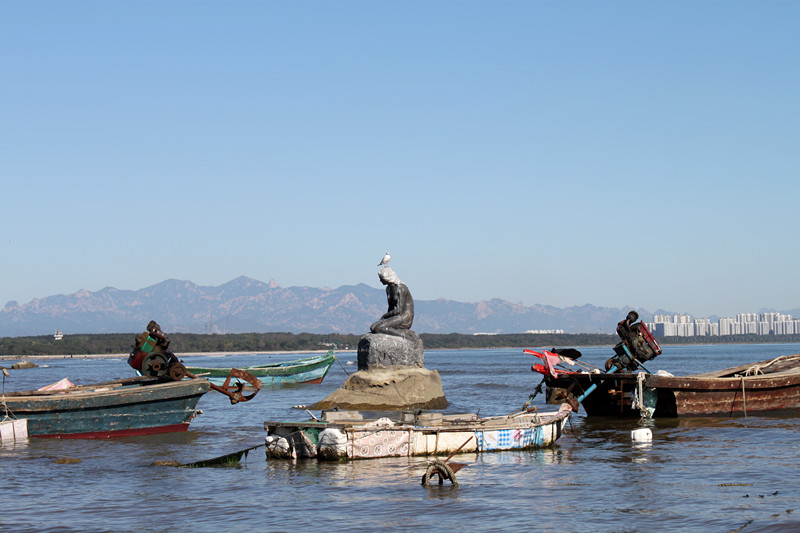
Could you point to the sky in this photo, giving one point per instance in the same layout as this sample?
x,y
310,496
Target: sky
x,y
613,153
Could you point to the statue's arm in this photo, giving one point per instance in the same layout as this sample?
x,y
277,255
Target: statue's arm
x,y
393,295
405,304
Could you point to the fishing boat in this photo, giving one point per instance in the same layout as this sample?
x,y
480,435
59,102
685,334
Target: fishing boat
x,y
306,370
161,399
760,388
628,388
124,407
343,435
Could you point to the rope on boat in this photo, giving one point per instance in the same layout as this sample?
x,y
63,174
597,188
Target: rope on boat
x,y
754,370
744,396
574,433
744,399
783,358
341,365
536,392
7,414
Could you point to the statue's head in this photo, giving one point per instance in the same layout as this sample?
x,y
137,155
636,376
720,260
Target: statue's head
x,y
387,276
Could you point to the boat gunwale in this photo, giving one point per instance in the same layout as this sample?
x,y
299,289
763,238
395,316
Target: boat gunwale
x,y
522,421
280,368
124,384
133,391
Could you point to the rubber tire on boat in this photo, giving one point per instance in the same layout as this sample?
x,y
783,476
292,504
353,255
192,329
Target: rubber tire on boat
x,y
441,468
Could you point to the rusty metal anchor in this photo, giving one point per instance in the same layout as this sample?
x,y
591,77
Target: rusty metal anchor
x,y
233,391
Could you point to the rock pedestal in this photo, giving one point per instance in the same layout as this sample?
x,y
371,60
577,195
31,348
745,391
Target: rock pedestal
x,y
376,350
388,389
390,377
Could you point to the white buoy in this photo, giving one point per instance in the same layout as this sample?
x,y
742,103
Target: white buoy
x,y
642,435
13,430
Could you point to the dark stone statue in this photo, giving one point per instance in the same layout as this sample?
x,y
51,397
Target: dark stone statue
x,y
391,372
400,315
391,342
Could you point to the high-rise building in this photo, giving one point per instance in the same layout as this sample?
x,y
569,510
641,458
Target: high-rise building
x,y
743,324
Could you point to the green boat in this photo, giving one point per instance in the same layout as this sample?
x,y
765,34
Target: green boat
x,y
120,408
306,370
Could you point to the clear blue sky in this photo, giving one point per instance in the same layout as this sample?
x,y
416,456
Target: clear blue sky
x,y
557,153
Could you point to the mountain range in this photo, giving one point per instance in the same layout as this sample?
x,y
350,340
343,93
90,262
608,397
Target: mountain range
x,y
246,305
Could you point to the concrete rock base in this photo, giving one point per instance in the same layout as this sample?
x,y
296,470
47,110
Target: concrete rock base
x,y
388,389
376,350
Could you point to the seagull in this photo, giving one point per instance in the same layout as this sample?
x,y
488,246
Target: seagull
x,y
385,260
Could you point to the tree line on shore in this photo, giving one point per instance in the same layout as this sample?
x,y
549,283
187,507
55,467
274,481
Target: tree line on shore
x,y
116,343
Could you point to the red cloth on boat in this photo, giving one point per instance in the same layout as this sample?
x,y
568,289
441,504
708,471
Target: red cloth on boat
x,y
550,361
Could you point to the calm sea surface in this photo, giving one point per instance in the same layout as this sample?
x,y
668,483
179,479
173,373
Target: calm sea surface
x,y
740,474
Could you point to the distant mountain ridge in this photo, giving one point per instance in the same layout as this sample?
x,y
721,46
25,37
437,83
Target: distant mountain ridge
x,y
246,305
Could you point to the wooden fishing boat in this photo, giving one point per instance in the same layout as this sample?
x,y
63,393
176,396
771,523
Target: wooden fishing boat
x,y
306,370
764,387
342,435
134,406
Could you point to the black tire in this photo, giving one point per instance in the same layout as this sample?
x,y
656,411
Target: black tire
x,y
444,472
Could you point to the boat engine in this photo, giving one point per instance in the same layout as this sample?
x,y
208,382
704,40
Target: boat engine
x,y
636,347
151,356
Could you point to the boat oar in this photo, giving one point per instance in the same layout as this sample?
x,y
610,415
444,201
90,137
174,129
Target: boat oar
x,y
230,459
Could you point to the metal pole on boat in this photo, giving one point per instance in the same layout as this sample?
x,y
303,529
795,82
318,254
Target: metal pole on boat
x,y
591,389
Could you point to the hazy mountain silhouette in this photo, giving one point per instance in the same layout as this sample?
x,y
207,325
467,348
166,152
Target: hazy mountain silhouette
x,y
246,305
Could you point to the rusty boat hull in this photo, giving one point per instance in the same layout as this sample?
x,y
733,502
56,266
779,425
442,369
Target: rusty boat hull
x,y
761,388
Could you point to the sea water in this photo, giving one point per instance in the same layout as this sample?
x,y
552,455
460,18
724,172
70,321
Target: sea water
x,y
699,474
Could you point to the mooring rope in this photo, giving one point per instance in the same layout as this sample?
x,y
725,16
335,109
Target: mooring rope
x,y
744,399
6,410
343,368
574,433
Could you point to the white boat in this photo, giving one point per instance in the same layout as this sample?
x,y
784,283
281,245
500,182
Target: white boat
x,y
343,435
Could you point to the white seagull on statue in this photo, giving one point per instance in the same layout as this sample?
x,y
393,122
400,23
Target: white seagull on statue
x,y
385,260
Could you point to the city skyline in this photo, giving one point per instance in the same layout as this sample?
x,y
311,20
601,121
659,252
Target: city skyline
x,y
769,323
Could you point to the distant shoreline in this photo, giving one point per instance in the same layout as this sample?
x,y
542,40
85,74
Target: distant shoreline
x,y
178,355
534,343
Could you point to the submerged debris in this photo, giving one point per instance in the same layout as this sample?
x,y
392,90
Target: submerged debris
x,y
231,459
67,461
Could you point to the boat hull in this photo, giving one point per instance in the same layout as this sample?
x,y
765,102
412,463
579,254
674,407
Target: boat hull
x,y
136,406
311,370
735,391
339,441
726,396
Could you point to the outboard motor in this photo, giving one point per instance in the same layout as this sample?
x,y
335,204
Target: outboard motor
x,y
638,345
